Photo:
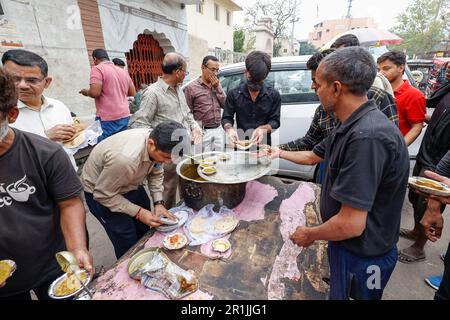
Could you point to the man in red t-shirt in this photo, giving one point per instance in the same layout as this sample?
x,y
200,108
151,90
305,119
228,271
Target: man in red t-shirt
x,y
410,101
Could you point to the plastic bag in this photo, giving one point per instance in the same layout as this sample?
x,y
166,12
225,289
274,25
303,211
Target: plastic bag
x,y
162,275
200,228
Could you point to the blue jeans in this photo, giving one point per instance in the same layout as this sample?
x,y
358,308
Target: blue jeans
x,y
356,277
123,230
112,127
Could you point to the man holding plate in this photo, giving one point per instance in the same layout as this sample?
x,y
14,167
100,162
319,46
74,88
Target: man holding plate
x,y
256,105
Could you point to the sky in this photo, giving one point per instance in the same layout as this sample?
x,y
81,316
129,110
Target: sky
x,y
384,12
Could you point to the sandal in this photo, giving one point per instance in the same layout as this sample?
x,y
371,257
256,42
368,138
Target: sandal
x,y
407,258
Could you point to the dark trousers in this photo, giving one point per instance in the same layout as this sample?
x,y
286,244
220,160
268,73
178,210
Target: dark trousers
x,y
356,277
123,230
443,292
41,293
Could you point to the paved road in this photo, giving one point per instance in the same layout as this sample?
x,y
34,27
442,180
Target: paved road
x,y
407,281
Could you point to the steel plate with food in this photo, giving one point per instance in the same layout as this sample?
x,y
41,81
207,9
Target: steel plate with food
x,y
157,272
221,245
226,224
241,166
170,225
69,285
244,144
175,241
429,186
7,268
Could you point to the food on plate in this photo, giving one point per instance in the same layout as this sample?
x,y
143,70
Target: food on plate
x,y
209,170
224,157
429,184
79,137
221,245
225,224
7,268
175,241
244,144
208,162
70,284
76,142
186,286
198,225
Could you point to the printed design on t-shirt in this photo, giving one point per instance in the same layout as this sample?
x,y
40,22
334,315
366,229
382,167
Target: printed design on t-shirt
x,y
18,191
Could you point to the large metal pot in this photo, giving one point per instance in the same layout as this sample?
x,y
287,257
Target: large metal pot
x,y
228,186
197,192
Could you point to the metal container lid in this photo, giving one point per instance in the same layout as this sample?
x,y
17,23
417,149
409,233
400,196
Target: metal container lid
x,y
231,167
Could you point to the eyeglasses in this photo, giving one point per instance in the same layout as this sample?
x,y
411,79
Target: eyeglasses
x,y
212,70
185,71
30,81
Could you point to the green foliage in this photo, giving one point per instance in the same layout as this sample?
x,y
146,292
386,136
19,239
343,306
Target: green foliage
x,y
276,48
238,40
307,49
423,26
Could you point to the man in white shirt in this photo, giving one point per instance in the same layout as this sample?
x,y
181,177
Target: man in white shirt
x,y
40,115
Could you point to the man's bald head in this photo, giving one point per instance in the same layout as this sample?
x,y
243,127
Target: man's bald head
x,y
173,62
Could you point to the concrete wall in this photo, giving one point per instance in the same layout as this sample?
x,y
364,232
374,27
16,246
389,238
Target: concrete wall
x,y
205,26
198,49
286,49
51,28
164,19
328,29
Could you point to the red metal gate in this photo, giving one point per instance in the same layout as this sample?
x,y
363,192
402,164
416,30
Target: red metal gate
x,y
144,60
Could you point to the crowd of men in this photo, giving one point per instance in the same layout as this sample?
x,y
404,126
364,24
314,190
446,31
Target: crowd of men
x,y
359,137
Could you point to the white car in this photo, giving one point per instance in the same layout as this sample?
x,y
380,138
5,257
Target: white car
x,y
292,79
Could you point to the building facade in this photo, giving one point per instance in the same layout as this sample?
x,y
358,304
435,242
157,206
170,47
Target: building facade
x,y
210,31
328,29
65,32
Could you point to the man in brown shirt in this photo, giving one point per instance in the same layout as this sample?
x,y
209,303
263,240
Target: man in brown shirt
x,y
113,178
206,97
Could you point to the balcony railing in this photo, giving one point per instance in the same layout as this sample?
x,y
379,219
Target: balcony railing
x,y
227,56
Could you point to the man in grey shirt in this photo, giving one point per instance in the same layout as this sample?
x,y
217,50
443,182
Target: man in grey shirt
x,y
164,100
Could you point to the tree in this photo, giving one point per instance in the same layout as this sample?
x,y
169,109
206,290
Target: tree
x,y
423,26
282,12
307,48
238,40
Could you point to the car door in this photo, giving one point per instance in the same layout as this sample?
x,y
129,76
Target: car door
x,y
298,104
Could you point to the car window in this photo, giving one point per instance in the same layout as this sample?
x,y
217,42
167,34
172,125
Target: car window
x,y
231,81
294,85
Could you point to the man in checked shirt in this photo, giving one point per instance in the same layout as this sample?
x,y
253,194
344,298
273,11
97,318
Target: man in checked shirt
x,y
323,122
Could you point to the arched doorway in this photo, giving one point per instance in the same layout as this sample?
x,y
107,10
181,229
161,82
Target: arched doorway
x,y
144,60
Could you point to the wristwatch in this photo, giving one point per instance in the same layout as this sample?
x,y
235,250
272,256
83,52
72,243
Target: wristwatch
x,y
159,202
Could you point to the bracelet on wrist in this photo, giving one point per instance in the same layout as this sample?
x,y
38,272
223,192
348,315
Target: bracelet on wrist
x,y
138,215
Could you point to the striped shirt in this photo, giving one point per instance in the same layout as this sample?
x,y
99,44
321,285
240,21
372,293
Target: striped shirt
x,y
323,122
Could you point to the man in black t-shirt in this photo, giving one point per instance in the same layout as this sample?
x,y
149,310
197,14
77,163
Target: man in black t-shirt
x,y
366,174
41,212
